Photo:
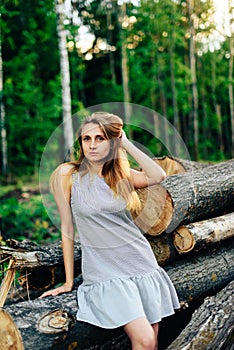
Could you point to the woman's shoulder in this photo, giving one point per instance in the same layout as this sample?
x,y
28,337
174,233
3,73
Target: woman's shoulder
x,y
66,169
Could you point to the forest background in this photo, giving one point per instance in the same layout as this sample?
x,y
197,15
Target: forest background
x,y
57,58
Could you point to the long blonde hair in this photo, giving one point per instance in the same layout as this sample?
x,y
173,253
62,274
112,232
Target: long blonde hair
x,y
116,167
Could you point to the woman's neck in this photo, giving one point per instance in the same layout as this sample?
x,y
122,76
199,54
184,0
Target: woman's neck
x,y
97,169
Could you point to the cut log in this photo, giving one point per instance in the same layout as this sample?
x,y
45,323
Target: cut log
x,y
42,277
190,165
198,275
170,165
198,235
41,267
211,326
50,322
31,254
186,198
173,166
163,248
10,337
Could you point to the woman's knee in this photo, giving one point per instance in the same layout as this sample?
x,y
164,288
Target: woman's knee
x,y
141,334
147,341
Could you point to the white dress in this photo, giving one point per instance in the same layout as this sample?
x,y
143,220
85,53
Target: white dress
x,y
122,280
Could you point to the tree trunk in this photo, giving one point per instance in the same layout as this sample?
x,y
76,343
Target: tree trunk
x,y
190,165
163,103
176,120
163,248
50,322
173,165
110,27
192,56
65,80
187,198
204,133
217,108
3,134
198,235
211,326
230,75
124,68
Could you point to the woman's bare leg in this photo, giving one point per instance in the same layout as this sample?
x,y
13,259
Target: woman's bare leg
x,y
155,327
141,334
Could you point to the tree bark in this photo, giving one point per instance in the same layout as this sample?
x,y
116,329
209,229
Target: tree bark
x,y
196,276
50,322
198,235
187,198
211,326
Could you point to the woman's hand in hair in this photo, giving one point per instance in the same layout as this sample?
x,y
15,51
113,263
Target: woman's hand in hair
x,y
123,139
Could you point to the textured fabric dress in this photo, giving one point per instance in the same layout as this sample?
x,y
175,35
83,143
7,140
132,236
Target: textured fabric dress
x,y
122,280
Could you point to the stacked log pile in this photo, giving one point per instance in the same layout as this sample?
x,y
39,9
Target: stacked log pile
x,y
189,222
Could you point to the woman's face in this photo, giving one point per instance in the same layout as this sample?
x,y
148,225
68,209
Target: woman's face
x,y
96,146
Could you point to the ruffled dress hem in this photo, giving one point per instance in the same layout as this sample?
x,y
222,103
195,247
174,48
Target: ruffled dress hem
x,y
115,302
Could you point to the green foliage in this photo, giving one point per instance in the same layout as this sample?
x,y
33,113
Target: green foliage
x,y
157,41
26,219
31,91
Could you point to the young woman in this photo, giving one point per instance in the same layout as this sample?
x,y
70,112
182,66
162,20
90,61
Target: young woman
x,y
122,282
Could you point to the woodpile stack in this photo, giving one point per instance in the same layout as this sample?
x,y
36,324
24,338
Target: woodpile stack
x,y
189,222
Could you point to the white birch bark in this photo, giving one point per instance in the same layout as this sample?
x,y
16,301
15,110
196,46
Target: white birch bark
x,y
193,77
65,78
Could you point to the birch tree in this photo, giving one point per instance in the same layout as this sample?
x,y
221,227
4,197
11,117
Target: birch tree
x,y
124,63
65,78
192,59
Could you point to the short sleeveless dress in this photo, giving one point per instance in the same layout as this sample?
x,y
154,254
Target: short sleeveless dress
x,y
122,280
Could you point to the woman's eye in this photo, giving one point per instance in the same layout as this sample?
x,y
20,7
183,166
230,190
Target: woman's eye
x,y
85,138
100,138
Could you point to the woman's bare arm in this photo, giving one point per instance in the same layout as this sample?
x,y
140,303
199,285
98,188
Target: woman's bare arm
x,y
62,195
151,172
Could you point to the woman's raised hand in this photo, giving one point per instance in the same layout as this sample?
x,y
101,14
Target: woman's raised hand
x,y
123,138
